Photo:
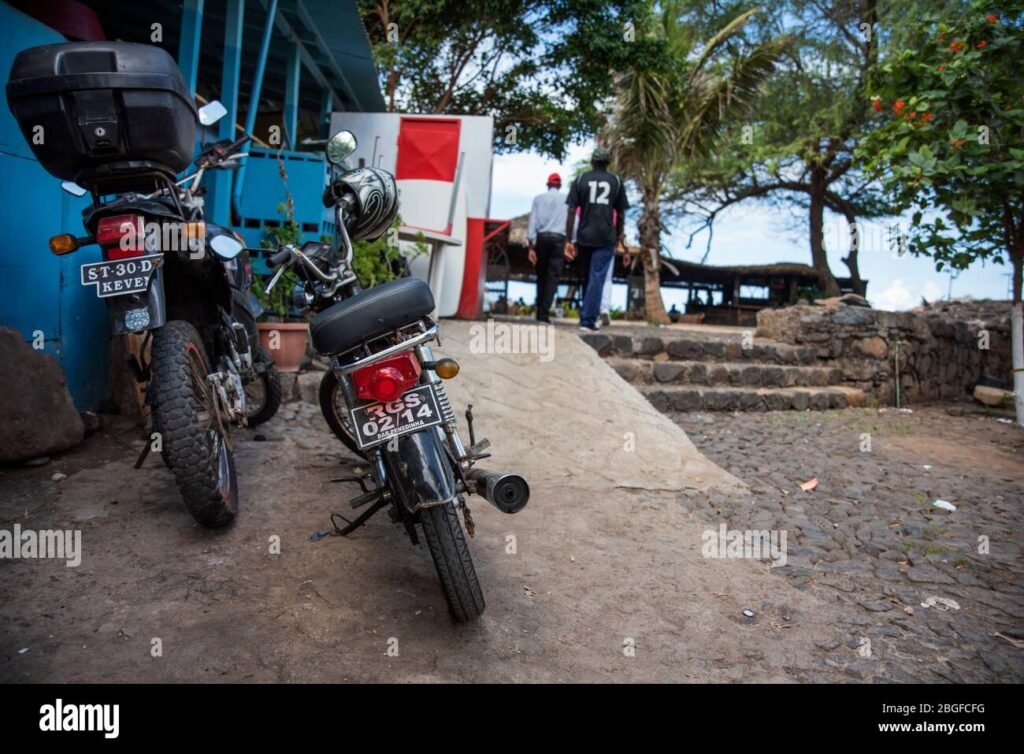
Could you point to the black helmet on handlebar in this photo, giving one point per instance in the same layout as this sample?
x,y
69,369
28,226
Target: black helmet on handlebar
x,y
372,197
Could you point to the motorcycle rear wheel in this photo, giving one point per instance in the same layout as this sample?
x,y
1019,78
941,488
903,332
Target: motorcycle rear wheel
x,y
453,561
335,411
184,413
263,393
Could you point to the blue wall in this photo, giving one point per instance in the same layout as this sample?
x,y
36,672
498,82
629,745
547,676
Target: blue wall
x,y
38,291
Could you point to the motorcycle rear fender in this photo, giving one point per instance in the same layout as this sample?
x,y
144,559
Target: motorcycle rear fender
x,y
139,312
420,468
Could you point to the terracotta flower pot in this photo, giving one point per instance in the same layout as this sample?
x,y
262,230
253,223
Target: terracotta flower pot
x,y
285,342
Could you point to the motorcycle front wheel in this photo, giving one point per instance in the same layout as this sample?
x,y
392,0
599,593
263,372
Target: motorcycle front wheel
x,y
185,414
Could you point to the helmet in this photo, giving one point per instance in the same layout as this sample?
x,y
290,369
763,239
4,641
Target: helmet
x,y
373,197
601,156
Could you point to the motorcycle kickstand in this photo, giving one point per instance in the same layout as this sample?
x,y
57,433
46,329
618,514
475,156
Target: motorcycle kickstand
x,y
360,521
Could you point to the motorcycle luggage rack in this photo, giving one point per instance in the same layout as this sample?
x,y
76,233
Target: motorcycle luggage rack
x,y
426,334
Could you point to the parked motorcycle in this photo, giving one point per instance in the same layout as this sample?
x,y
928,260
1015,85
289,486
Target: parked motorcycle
x,y
121,123
384,395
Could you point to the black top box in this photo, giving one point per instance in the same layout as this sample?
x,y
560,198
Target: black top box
x,y
99,112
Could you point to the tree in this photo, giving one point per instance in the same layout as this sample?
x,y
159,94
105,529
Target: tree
x,y
798,147
677,110
541,68
951,145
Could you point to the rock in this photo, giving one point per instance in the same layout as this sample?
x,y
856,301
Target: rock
x,y
874,347
58,477
37,416
852,299
308,386
992,396
668,371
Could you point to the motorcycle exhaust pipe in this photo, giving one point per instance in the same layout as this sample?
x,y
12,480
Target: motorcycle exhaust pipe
x,y
509,493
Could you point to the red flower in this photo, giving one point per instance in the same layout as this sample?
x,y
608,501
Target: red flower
x,y
877,105
981,44
927,116
912,115
942,67
955,46
898,105
992,19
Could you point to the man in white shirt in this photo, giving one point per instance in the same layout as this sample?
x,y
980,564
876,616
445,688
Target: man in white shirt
x,y
545,235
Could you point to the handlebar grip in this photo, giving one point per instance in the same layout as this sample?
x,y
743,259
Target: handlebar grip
x,y
279,258
237,144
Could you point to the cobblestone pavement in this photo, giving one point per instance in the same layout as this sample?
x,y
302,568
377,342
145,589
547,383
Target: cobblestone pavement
x,y
868,539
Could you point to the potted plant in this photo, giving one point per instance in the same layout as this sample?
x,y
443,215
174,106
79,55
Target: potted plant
x,y
282,334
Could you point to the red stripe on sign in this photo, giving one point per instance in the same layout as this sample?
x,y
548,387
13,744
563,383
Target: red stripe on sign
x,y
428,149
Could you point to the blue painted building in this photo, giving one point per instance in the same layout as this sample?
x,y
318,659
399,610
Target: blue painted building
x,y
279,66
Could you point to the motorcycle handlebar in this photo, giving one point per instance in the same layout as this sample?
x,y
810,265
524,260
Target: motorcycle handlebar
x,y
279,258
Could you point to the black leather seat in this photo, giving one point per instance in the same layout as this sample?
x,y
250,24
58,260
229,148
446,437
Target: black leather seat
x,y
370,314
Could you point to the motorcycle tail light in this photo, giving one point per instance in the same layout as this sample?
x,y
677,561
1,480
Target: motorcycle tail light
x,y
387,380
121,236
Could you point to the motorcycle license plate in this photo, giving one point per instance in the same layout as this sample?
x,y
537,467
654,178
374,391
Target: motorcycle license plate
x,y
376,423
119,277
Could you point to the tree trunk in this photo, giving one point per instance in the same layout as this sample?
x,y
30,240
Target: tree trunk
x,y
1017,331
851,258
819,259
650,243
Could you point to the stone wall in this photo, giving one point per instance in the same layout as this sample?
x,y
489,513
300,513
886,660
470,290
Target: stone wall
x,y
941,353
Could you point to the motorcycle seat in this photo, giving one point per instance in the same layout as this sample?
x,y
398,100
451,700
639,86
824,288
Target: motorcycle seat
x,y
370,314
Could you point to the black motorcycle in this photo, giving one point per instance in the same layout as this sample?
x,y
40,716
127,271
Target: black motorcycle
x,y
384,395
121,124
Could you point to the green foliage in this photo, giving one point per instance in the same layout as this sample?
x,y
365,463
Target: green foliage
x,y
278,301
541,68
949,144
378,261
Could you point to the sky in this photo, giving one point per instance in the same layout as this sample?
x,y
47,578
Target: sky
x,y
750,233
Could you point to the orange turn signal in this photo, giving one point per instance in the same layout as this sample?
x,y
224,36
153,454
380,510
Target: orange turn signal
x,y
447,368
65,243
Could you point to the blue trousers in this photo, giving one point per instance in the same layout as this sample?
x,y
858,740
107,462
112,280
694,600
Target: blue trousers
x,y
600,260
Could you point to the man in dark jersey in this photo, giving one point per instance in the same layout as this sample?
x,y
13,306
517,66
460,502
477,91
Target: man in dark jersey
x,y
601,198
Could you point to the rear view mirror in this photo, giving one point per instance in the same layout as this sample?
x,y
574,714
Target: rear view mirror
x,y
340,146
211,112
226,247
73,188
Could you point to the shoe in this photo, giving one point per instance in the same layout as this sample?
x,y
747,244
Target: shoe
x,y
606,321
589,330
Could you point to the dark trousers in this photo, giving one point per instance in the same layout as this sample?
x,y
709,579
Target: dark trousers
x,y
583,255
550,248
600,258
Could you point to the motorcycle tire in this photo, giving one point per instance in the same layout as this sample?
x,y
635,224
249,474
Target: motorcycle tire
x,y
332,406
453,561
184,414
264,390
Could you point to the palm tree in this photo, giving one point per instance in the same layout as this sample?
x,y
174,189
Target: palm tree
x,y
677,112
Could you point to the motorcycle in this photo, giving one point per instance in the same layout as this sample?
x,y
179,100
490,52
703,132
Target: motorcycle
x,y
184,282
384,396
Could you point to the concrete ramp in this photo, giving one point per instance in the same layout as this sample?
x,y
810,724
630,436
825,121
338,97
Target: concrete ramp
x,y
564,415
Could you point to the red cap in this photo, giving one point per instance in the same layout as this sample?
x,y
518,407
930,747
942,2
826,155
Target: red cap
x,y
554,179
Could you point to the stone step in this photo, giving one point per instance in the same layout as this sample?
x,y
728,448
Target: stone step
x,y
684,348
668,398
724,373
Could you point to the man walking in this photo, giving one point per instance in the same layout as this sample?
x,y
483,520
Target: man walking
x,y
601,198
546,240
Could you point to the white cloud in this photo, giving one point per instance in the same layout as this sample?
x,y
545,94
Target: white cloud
x,y
895,297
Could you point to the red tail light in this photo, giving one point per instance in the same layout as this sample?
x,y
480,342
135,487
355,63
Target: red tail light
x,y
121,236
387,380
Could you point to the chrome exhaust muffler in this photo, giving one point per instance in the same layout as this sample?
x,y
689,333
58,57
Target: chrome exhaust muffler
x,y
509,493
